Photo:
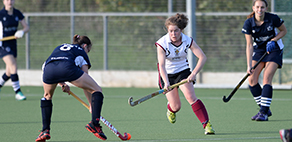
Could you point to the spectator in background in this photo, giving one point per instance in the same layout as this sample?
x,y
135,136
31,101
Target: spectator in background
x,y
261,36
173,67
9,20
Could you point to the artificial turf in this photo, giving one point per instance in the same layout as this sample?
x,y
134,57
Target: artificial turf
x,y
21,120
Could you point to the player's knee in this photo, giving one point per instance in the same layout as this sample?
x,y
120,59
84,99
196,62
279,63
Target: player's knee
x,y
48,96
252,82
176,107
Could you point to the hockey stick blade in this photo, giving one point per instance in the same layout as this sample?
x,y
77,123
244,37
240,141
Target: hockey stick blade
x,y
226,99
131,103
235,89
124,137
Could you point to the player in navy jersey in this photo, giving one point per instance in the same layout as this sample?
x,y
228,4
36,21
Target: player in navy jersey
x,y
70,63
9,20
261,36
173,67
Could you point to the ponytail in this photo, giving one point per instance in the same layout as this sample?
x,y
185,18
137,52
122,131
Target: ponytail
x,y
250,15
77,39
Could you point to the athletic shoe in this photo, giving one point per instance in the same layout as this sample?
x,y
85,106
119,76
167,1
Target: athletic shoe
x,y
44,135
96,130
254,117
19,96
209,129
262,117
171,116
286,135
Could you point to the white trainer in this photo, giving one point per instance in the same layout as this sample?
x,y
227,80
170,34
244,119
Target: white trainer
x,y
20,97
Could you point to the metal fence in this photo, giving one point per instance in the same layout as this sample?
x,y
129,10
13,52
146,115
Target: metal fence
x,y
125,40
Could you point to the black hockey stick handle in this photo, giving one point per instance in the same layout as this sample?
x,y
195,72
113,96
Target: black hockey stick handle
x,y
131,103
242,80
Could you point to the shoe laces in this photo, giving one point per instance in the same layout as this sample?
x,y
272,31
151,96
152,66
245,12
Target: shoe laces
x,y
98,128
263,115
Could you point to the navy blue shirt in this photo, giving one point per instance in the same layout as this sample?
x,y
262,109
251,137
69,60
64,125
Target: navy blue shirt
x,y
8,26
263,33
70,52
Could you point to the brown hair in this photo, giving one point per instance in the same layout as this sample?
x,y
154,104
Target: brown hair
x,y
253,3
180,20
77,39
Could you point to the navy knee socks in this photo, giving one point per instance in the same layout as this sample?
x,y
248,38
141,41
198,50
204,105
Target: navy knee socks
x,y
96,105
47,108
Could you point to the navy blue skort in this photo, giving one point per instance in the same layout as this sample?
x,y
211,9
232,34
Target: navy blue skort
x,y
7,48
274,56
61,71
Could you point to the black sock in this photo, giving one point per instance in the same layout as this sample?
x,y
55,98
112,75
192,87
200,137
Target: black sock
x,y
256,92
4,79
15,83
96,104
47,108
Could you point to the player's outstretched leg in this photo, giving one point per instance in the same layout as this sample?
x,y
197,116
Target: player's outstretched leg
x,y
96,130
43,136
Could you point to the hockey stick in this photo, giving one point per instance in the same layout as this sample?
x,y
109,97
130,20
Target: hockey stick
x,y
126,136
131,103
8,38
242,80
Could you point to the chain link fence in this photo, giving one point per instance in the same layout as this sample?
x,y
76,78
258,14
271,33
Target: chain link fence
x,y
130,39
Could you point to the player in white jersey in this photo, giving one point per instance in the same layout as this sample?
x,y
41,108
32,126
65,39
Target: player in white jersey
x,y
173,67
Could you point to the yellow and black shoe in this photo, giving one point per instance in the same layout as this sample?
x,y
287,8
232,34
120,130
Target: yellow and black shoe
x,y
209,129
171,116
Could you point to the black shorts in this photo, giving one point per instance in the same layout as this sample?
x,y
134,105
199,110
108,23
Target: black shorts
x,y
175,78
61,71
274,56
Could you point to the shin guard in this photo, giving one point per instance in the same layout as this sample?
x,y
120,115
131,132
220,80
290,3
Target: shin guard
x,y
96,105
201,112
47,108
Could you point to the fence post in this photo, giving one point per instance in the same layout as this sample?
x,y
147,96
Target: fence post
x,y
72,19
169,8
105,40
27,46
191,30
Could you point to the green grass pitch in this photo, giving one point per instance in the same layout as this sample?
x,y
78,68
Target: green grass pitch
x,y
146,122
